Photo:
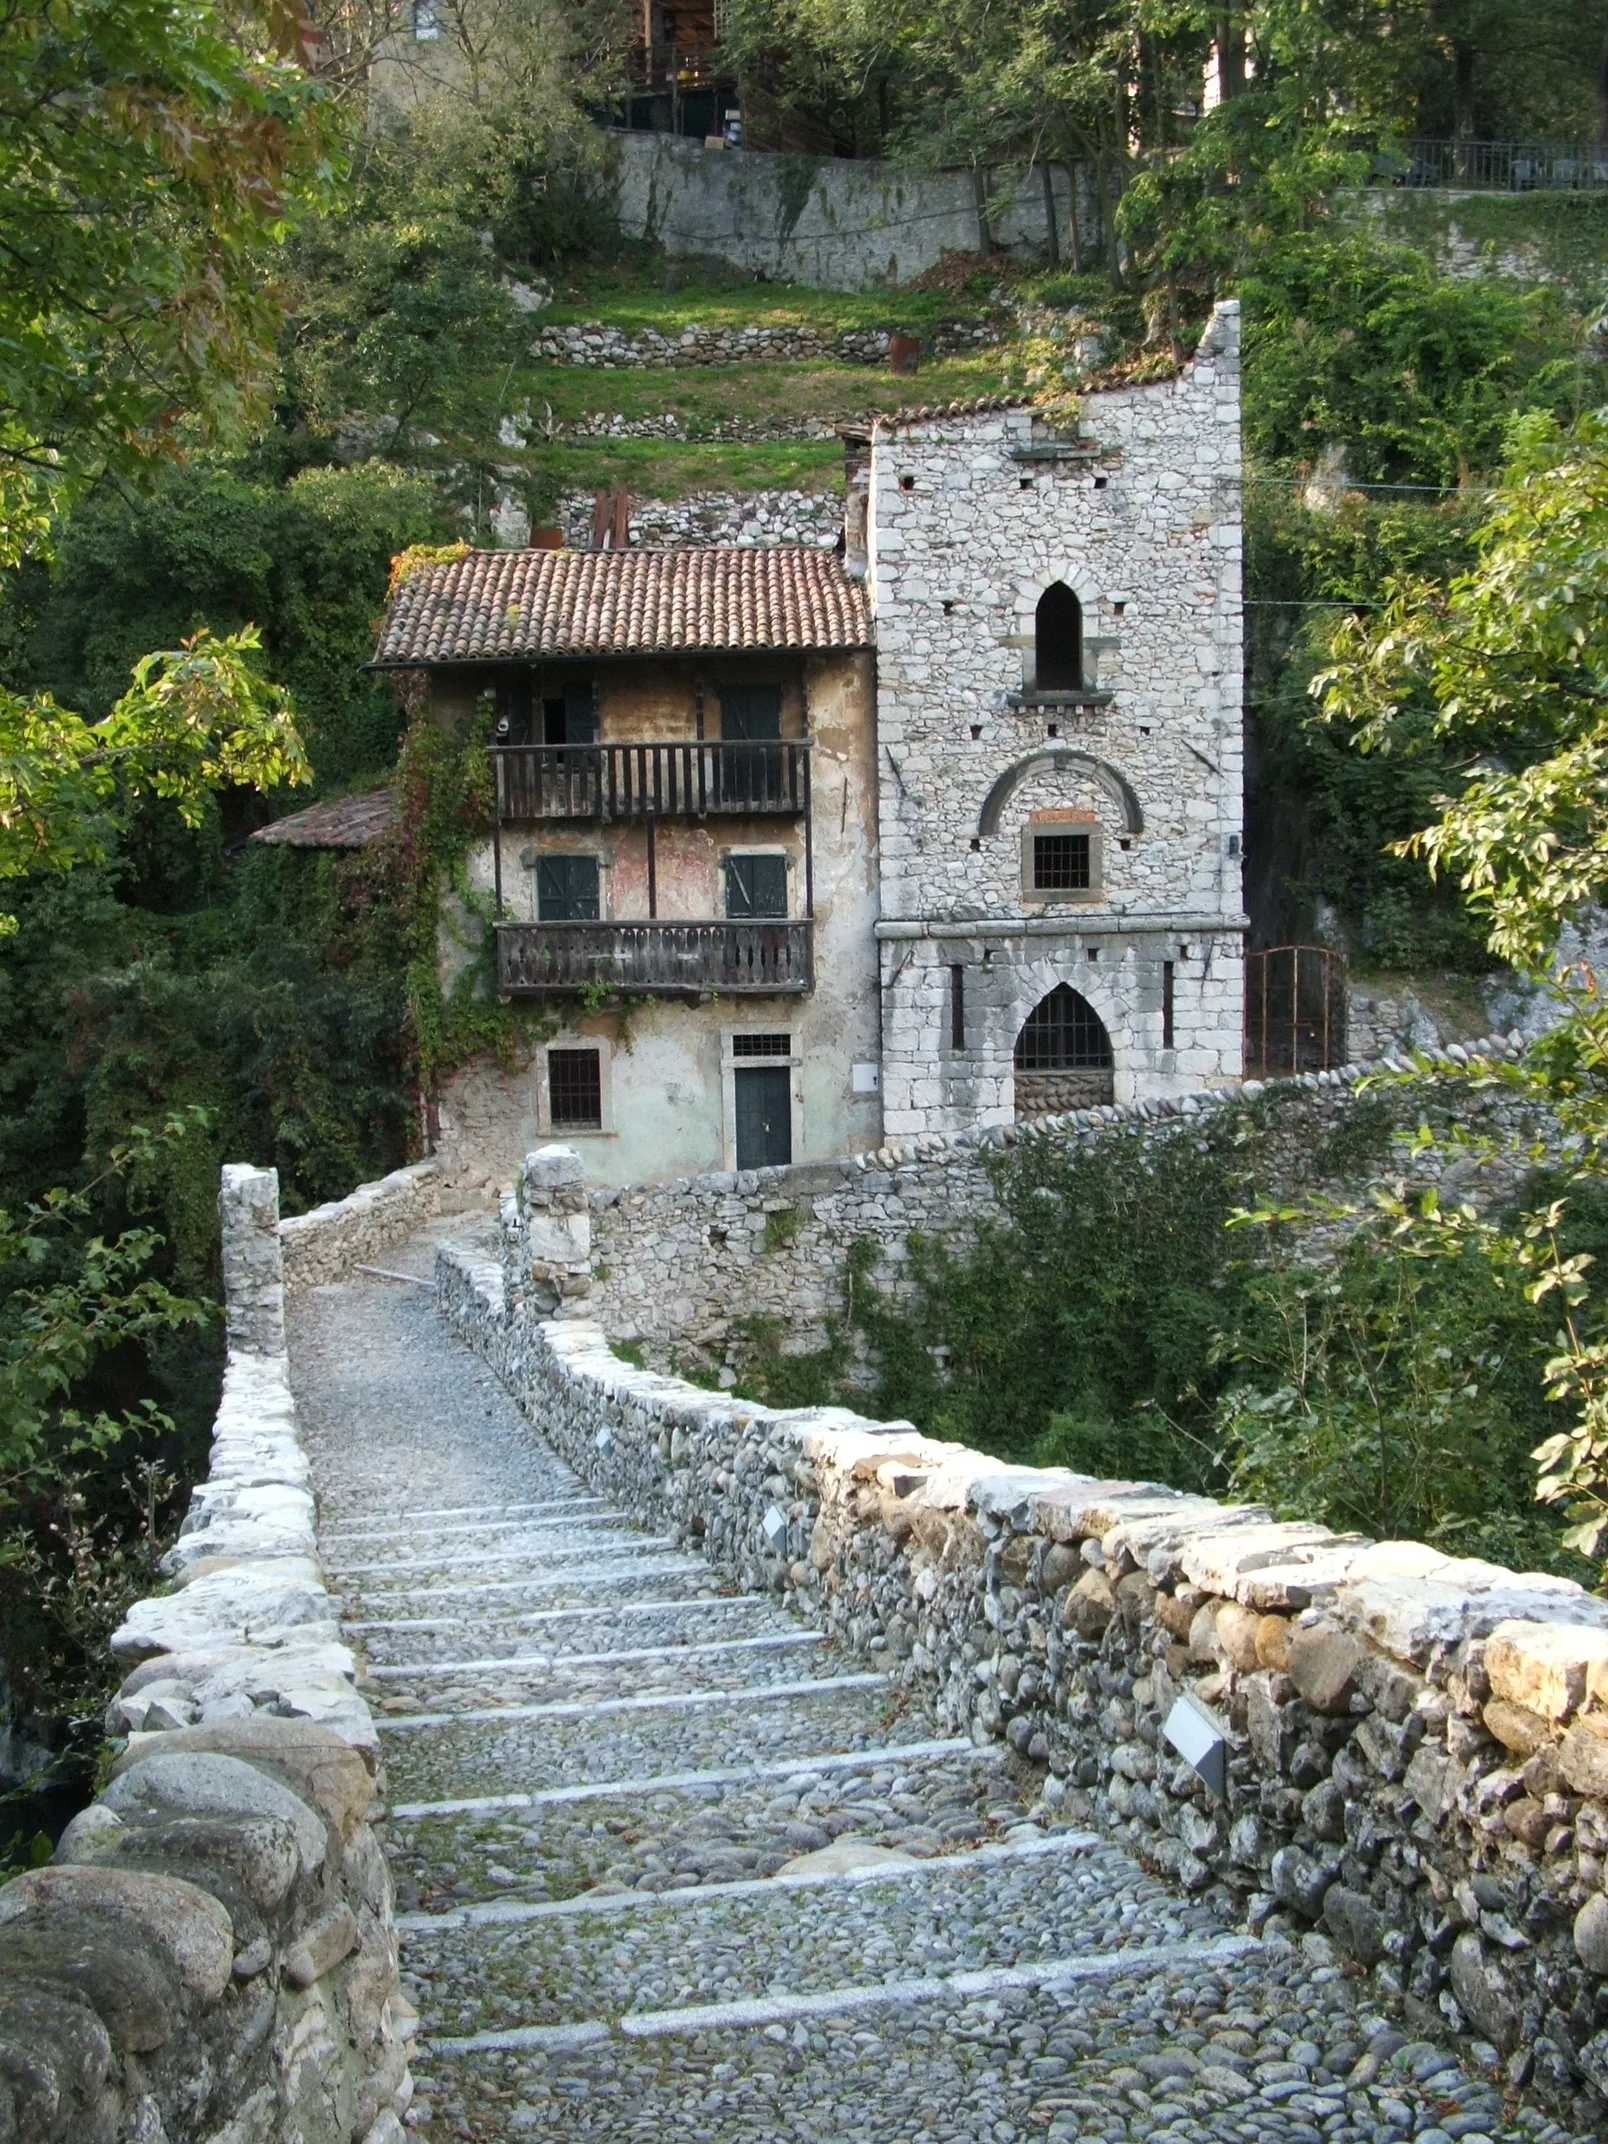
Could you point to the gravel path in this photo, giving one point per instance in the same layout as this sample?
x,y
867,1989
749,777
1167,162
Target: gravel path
x,y
608,1773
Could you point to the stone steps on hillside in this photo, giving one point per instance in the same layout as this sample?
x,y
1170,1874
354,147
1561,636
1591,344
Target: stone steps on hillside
x,y
671,1867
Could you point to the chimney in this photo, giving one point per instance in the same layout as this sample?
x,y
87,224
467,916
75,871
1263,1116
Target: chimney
x,y
856,503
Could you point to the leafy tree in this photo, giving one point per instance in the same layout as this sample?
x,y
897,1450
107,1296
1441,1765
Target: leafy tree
x,y
149,151
1509,661
1393,1388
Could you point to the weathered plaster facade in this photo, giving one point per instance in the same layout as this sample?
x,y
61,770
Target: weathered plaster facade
x,y
968,521
668,1066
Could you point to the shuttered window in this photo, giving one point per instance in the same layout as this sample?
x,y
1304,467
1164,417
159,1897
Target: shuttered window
x,y
566,889
756,887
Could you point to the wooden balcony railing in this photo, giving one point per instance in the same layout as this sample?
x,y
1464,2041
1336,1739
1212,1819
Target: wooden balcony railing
x,y
656,959
660,781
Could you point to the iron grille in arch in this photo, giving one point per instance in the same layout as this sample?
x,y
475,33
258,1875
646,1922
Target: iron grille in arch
x,y
1295,1010
1063,1033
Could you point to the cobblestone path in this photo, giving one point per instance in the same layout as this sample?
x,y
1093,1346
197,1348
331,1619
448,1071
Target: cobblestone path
x,y
610,1781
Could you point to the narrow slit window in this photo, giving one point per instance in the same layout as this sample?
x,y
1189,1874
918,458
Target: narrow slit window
x,y
1062,863
1058,641
1167,972
575,1090
957,1008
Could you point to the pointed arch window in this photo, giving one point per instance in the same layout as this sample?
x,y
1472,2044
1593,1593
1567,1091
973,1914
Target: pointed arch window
x,y
1058,641
1063,1033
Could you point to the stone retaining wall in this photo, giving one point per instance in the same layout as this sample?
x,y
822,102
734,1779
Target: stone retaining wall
x,y
715,517
840,223
1403,1757
325,1244
594,342
210,1952
678,1262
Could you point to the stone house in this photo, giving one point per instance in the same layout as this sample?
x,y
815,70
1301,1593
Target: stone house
x,y
683,865
801,850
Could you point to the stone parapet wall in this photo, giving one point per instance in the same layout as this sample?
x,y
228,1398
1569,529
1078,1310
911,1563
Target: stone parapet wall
x,y
679,1262
210,1953
1401,1756
325,1244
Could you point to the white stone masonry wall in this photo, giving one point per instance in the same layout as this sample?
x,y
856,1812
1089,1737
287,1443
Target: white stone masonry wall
x,y
210,1952
970,520
1408,1752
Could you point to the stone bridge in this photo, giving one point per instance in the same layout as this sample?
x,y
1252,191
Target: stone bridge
x,y
751,1776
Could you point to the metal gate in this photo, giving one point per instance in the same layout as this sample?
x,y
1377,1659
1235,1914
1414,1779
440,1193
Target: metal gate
x,y
1295,1010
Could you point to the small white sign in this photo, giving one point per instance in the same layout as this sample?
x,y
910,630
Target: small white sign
x,y
1200,1741
867,1079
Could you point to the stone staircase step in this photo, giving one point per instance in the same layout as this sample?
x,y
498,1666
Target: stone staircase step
x,y
425,1640
554,1588
531,1550
463,1757
1047,2051
633,1836
461,1518
554,1963
530,1678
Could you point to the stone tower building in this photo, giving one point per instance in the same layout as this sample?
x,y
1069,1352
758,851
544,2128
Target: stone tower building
x,y
1059,639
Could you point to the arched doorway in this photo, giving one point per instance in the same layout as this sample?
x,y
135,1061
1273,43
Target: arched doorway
x,y
1063,1056
1058,641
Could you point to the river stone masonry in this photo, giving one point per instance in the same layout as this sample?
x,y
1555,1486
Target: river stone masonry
x,y
1413,1747
210,1953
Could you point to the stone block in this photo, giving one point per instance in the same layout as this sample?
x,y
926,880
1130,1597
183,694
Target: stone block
x,y
1090,1605
1517,1728
1482,1988
1545,1667
1591,1935
1356,1924
1324,1664
320,1948
549,1169
203,1783
187,1923
1583,1757
1300,1880
315,1763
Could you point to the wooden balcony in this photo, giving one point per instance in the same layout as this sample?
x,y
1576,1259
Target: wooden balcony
x,y
652,781
656,959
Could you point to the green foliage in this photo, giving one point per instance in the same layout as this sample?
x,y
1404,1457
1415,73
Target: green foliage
x,y
1414,375
151,157
194,719
1087,1314
88,1456
781,1226
1509,658
306,562
1394,1390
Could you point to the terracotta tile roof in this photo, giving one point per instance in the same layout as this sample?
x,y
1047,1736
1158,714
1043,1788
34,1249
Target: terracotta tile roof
x,y
343,823
925,412
495,605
